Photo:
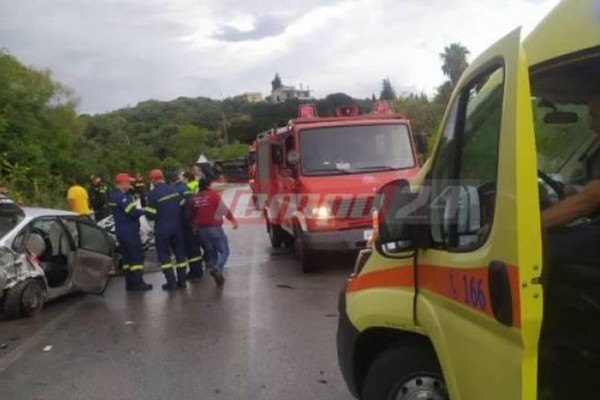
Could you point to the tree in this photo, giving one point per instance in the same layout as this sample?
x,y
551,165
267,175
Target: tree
x,y
276,82
444,92
387,90
39,129
454,61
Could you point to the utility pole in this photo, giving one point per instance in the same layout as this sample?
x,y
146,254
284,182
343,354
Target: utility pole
x,y
225,135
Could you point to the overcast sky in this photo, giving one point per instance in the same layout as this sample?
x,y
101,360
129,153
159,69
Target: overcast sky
x,y
115,53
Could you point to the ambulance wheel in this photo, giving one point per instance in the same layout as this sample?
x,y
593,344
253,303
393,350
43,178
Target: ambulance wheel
x,y
405,374
304,254
276,234
25,299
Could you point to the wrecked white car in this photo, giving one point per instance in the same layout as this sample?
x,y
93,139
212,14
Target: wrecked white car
x,y
47,253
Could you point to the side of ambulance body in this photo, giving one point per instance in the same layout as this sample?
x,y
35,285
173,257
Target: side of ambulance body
x,y
474,306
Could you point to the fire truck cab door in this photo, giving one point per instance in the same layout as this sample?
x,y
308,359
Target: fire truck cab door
x,y
479,297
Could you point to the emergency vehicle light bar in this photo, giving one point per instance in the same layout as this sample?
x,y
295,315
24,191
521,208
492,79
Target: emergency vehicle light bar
x,y
307,111
347,111
383,107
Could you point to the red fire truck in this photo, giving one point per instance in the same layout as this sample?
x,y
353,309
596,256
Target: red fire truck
x,y
252,170
316,177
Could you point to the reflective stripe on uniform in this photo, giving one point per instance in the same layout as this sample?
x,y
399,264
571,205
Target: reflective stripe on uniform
x,y
130,207
195,259
125,267
182,265
150,210
112,204
166,266
182,202
138,267
168,197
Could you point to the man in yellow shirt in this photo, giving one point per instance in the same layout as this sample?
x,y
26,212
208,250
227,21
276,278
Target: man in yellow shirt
x,y
78,198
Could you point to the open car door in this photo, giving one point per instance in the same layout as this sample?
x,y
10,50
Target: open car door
x,y
93,258
479,293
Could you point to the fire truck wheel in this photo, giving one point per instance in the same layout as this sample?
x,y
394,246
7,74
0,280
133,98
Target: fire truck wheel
x,y
276,234
405,373
304,254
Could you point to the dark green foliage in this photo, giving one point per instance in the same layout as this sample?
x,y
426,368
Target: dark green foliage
x,y
387,90
454,61
44,141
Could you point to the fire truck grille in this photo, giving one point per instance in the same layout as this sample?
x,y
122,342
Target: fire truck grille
x,y
359,207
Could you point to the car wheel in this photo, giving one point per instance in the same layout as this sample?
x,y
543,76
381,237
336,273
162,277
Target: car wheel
x,y
405,373
25,299
276,234
304,254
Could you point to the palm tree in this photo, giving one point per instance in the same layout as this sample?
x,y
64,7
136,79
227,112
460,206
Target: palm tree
x,y
454,61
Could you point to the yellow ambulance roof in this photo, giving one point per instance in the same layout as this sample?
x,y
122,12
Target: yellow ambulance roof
x,y
572,26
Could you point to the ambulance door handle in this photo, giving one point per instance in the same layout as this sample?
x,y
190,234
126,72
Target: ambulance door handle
x,y
500,292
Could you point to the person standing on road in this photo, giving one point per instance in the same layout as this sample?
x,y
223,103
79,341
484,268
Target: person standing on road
x,y
139,189
206,210
98,193
192,243
127,227
78,198
192,181
165,208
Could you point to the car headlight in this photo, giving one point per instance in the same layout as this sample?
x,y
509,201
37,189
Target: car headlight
x,y
321,212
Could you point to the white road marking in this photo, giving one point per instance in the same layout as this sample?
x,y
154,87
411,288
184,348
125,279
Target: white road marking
x,y
14,355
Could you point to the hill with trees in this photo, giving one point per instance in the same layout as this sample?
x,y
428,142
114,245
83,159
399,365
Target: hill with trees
x,y
45,141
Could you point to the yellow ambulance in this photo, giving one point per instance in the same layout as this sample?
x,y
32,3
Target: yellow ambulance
x,y
484,279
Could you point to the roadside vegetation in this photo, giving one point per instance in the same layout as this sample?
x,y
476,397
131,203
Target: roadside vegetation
x,y
44,141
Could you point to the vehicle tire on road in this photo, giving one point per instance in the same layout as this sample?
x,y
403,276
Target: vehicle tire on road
x,y
25,299
403,373
276,234
305,255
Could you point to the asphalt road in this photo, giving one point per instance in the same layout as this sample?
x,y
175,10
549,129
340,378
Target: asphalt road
x,y
268,334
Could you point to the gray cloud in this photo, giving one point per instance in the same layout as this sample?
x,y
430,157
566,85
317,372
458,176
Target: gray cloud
x,y
115,53
264,26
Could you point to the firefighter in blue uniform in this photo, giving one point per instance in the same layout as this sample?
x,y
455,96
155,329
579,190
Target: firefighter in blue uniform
x,y
164,206
192,244
127,227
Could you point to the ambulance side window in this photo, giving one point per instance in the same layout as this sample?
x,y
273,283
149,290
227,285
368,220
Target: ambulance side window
x,y
465,173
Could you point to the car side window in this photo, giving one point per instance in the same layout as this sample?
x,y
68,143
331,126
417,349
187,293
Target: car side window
x,y
71,225
51,231
464,178
92,238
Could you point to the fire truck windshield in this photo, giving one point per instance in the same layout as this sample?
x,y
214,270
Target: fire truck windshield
x,y
355,149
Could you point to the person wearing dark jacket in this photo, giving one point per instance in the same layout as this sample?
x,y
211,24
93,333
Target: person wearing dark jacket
x,y
192,242
165,208
127,227
206,211
98,194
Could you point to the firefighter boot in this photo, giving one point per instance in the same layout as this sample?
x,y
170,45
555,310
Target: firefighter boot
x,y
181,277
127,280
195,270
171,282
136,282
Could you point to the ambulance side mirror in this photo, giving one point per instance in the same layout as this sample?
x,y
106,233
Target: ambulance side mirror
x,y
277,153
401,221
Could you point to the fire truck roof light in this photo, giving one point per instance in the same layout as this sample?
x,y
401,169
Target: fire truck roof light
x,y
307,111
347,111
383,107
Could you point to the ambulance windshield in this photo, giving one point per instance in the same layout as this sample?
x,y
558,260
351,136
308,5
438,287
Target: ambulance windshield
x,y
355,149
